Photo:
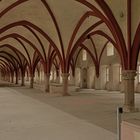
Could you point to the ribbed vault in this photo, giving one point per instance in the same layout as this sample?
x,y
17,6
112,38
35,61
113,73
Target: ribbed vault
x,y
54,32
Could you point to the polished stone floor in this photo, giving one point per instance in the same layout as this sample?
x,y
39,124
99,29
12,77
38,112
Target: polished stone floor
x,y
30,114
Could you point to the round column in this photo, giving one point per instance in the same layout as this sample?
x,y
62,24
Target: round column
x,y
12,78
31,81
57,80
128,79
16,78
47,82
22,81
65,84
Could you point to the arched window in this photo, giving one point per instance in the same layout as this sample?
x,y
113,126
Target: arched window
x,y
84,55
110,49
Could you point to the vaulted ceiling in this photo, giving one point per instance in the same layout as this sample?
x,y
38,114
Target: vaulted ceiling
x,y
55,30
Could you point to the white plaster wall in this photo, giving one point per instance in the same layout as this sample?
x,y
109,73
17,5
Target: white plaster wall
x,y
90,77
114,79
100,82
103,76
77,77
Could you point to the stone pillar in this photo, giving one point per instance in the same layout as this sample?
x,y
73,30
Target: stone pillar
x,y
31,81
97,83
12,77
57,80
65,84
22,80
27,76
47,81
16,77
129,91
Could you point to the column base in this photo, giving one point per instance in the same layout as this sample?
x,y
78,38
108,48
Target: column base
x,y
130,109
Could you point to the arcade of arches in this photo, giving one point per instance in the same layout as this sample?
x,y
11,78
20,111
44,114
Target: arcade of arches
x,y
61,46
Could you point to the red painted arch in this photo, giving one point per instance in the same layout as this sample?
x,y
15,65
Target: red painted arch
x,y
135,49
27,23
111,24
81,39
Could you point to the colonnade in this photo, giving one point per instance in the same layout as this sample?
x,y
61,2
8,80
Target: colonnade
x,y
128,77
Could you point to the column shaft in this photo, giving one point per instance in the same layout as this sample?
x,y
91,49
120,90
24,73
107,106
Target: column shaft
x,y
31,81
129,78
65,84
12,78
16,77
47,81
22,80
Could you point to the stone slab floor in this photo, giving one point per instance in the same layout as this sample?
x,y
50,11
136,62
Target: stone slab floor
x,y
30,114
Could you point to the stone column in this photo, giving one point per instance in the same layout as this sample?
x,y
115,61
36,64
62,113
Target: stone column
x,y
27,76
38,77
47,81
12,78
129,91
57,80
65,84
22,80
31,81
97,83
16,77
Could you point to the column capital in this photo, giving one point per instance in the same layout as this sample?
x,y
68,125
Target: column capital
x,y
129,74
